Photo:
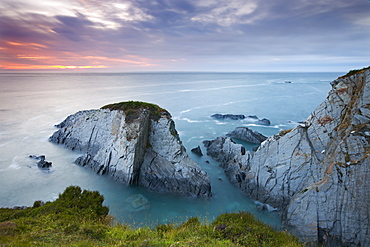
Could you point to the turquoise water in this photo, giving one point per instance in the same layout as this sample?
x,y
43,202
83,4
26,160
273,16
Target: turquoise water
x,y
31,103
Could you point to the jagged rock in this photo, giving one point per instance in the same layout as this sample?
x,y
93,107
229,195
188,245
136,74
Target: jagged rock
x,y
134,149
42,163
197,151
248,135
232,157
318,173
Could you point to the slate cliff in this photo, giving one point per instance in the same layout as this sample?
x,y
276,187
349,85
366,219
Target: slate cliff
x,y
138,146
317,174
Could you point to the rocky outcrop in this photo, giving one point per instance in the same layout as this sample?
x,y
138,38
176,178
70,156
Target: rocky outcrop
x,y
232,157
253,118
248,135
42,163
135,146
317,174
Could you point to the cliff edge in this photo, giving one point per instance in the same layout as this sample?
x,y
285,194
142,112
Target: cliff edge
x,y
317,174
135,143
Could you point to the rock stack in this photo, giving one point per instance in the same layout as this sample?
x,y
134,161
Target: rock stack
x,y
137,146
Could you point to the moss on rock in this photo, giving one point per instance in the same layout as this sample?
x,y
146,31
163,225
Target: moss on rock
x,y
132,109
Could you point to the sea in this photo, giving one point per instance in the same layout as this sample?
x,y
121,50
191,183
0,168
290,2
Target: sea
x,y
32,103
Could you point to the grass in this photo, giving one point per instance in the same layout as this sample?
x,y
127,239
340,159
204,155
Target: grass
x,y
133,109
354,72
284,132
78,218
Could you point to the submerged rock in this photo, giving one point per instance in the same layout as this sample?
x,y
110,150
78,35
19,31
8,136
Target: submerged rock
x,y
136,146
138,202
248,135
318,173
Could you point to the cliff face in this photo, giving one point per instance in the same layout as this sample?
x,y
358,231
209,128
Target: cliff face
x,y
318,173
140,150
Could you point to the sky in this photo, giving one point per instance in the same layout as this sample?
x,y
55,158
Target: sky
x,y
184,35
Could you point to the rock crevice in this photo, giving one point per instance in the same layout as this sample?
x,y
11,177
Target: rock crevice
x,y
143,151
318,173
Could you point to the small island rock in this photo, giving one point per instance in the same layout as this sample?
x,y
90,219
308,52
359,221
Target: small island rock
x,y
137,144
42,163
197,151
252,118
248,135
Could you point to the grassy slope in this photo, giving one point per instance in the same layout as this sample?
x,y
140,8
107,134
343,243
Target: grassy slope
x,y
77,218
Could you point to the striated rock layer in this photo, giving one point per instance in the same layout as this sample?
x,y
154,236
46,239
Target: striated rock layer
x,y
317,174
134,148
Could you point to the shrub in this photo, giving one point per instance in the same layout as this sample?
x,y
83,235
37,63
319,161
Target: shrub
x,y
78,218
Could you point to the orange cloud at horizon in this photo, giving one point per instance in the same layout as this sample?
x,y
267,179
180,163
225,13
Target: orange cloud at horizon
x,y
41,67
26,44
19,55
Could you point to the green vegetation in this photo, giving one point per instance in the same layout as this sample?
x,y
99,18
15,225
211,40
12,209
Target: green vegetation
x,y
133,109
284,132
304,191
354,72
77,218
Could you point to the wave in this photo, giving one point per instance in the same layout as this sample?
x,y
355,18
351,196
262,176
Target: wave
x,y
36,117
220,123
189,120
14,165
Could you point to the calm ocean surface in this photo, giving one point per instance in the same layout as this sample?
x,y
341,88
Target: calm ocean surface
x,y
31,103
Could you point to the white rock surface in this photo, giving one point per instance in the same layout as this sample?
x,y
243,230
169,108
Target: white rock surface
x,y
318,174
142,151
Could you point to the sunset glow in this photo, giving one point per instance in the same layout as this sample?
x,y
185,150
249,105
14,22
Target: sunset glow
x,y
238,35
48,67
26,44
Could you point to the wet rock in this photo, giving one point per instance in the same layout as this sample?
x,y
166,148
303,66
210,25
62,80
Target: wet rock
x,y
252,118
264,121
228,116
42,163
248,135
197,151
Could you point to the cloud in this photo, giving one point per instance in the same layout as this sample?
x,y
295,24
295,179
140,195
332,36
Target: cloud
x,y
226,13
184,33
